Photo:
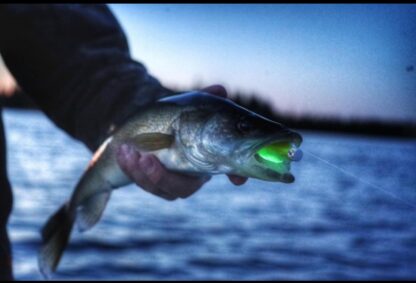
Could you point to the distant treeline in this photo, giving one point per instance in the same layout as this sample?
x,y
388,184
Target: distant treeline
x,y
263,107
330,124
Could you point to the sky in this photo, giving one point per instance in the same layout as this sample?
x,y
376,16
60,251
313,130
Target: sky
x,y
350,61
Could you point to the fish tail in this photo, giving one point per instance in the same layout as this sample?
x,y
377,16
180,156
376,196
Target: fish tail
x,y
55,236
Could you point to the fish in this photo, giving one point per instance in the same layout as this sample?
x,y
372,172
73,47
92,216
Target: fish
x,y
196,133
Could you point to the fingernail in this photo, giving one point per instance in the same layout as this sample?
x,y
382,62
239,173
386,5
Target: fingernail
x,y
147,165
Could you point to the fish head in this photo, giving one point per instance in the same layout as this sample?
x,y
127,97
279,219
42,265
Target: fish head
x,y
220,136
252,145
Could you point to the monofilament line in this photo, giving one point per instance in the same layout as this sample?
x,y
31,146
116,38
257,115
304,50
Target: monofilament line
x,y
361,180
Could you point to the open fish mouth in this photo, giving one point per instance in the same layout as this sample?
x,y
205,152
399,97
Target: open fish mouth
x,y
276,155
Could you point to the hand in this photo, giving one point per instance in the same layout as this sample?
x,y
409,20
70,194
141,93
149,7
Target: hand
x,y
147,172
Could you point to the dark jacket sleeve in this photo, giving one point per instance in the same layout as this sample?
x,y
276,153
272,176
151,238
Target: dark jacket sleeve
x,y
74,61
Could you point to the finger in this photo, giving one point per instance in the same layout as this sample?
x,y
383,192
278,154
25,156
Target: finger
x,y
145,174
216,90
237,180
129,160
174,184
160,193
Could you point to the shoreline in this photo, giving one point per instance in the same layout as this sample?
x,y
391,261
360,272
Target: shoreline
x,y
368,127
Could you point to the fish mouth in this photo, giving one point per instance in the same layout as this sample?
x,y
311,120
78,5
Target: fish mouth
x,y
275,155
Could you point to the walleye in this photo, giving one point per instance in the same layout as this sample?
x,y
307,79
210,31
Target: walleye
x,y
195,133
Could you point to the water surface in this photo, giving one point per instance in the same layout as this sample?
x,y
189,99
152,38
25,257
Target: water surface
x,y
327,225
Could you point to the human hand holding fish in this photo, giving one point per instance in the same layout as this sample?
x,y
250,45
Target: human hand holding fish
x,y
149,173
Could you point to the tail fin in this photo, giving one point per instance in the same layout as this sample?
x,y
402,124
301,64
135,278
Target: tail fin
x,y
55,236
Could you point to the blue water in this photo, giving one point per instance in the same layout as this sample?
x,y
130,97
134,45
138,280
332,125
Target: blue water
x,y
326,225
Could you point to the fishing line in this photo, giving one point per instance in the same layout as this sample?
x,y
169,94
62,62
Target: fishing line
x,y
361,180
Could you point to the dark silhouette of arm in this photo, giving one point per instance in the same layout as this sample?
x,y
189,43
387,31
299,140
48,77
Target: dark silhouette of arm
x,y
74,61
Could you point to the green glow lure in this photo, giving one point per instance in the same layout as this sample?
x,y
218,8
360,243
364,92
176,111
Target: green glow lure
x,y
279,152
277,156
275,152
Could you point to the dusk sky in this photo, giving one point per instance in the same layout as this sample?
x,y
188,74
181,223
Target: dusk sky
x,y
342,60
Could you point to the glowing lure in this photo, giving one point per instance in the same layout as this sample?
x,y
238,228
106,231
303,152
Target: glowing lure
x,y
279,152
275,152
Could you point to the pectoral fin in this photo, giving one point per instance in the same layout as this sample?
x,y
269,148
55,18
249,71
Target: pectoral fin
x,y
91,210
152,141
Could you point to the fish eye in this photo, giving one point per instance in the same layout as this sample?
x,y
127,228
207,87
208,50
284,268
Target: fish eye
x,y
243,126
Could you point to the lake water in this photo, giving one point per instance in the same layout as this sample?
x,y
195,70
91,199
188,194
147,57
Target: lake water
x,y
327,225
